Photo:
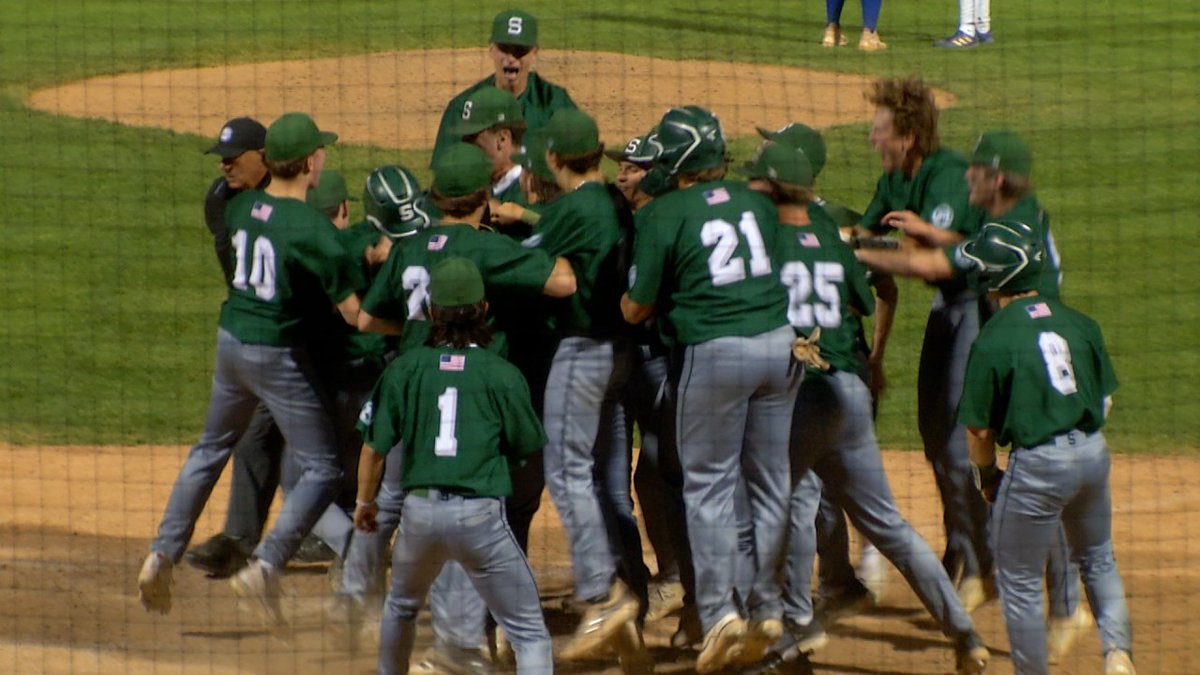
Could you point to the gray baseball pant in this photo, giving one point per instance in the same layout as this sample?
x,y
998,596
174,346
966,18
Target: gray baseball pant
x,y
952,326
442,527
1060,485
735,402
581,396
834,436
280,377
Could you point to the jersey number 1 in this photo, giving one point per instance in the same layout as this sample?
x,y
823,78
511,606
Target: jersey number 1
x,y
1057,355
446,445
262,266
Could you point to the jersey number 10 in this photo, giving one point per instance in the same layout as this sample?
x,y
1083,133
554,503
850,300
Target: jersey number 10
x,y
262,266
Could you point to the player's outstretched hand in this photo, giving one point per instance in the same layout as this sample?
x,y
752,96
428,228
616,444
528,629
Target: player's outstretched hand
x,y
505,213
911,225
364,517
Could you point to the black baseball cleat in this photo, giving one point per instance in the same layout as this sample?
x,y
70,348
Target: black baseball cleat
x,y
219,557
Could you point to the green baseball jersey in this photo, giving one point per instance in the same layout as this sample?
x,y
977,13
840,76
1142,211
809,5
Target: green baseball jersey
x,y
827,287
288,263
462,414
350,343
1029,212
400,291
582,227
539,102
703,255
938,193
1037,369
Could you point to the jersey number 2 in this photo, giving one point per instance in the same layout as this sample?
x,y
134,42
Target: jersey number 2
x,y
446,445
262,265
725,269
1057,355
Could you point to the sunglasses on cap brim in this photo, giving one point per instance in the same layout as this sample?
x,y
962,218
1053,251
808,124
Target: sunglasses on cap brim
x,y
515,51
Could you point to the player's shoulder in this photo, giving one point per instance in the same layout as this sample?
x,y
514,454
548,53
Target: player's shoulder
x,y
547,90
945,161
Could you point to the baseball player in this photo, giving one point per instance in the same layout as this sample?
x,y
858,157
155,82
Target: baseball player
x,y
841,591
397,304
513,51
703,254
1039,378
462,414
832,428
287,259
492,120
256,459
586,474
974,26
658,479
922,185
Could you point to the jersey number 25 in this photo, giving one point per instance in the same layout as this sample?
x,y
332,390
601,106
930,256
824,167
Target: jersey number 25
x,y
802,284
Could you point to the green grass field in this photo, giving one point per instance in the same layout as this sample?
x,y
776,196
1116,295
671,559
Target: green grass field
x,y
112,291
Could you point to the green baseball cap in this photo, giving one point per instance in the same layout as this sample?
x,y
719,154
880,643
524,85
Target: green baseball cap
x,y
485,108
295,136
1003,151
782,164
461,171
514,27
804,137
330,193
455,282
533,155
572,133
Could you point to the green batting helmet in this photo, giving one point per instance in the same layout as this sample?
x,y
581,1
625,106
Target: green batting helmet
x,y
691,140
394,202
1008,257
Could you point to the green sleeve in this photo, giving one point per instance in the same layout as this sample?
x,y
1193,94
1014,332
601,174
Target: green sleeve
x,y
649,259
325,257
878,208
1104,366
523,432
382,301
379,421
980,390
508,265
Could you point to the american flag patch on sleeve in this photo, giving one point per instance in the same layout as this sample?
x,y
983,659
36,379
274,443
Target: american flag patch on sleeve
x,y
716,196
437,242
452,362
261,211
809,240
1038,311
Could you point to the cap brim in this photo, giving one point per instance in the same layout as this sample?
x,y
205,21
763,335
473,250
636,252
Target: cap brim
x,y
615,155
227,151
765,133
328,138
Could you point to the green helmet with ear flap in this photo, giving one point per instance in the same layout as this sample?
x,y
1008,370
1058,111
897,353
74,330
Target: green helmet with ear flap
x,y
394,202
691,140
1008,257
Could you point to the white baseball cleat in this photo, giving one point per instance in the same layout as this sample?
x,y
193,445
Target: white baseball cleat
x,y
1118,662
154,583
1063,632
723,644
872,571
259,582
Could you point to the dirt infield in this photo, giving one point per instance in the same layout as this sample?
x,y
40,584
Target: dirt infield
x,y
77,521
395,99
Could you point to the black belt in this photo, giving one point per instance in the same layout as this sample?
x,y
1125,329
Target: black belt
x,y
439,494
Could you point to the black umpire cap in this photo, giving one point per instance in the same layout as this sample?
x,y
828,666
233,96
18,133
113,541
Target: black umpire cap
x,y
240,134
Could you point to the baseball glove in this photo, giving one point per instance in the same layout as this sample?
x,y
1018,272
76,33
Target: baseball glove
x,y
807,351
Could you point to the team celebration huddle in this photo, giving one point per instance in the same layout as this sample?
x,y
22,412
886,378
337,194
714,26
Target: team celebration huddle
x,y
415,381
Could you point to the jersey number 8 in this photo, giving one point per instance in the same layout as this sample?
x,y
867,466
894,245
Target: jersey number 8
x,y
1057,355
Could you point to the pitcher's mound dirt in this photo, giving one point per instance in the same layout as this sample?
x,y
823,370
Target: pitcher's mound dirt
x,y
395,99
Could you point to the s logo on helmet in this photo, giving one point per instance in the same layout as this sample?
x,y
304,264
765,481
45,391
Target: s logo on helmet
x,y
466,113
943,216
407,212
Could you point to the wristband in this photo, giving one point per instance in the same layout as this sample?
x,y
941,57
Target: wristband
x,y
359,502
